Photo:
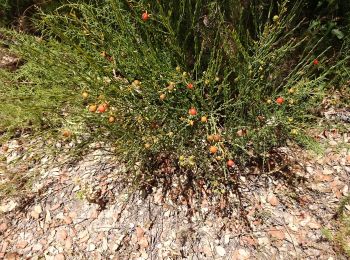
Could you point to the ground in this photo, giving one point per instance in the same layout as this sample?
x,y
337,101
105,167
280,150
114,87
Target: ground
x,y
81,210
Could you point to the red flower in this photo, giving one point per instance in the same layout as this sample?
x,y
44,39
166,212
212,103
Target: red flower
x,y
280,100
145,16
315,62
192,111
230,163
190,86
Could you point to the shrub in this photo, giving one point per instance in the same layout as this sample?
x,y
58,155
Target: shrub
x,y
185,84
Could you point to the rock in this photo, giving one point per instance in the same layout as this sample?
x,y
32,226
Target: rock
x,y
220,251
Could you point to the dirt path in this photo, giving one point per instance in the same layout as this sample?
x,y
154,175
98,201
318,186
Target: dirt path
x,y
80,211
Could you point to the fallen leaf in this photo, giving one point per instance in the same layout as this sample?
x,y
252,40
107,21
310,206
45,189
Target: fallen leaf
x,y
38,209
22,244
12,256
139,233
8,206
59,257
48,217
3,227
34,214
220,251
272,199
68,220
61,235
241,254
143,242
277,234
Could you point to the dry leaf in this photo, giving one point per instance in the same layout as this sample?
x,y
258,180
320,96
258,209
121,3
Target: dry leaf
x,y
272,199
143,242
277,234
220,251
139,233
38,209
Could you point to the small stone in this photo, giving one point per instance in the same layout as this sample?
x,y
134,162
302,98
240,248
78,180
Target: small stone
x,y
60,257
220,251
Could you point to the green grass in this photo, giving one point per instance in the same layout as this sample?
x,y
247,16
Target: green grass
x,y
341,236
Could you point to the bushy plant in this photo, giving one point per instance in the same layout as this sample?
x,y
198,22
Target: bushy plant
x,y
197,87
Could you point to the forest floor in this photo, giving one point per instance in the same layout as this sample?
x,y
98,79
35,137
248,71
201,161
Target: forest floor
x,y
57,208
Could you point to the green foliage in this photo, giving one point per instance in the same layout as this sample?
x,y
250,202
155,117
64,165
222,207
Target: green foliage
x,y
141,70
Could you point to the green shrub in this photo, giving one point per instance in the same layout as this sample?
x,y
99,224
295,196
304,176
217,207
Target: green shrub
x,y
253,77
